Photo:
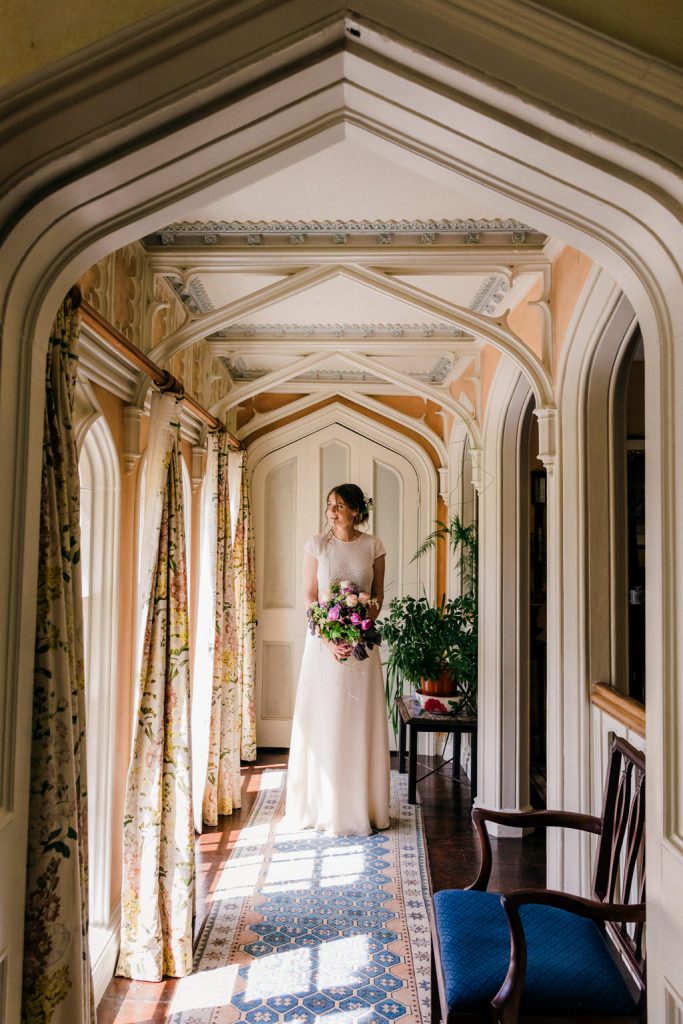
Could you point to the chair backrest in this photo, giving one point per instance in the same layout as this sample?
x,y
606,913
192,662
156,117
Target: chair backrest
x,y
620,861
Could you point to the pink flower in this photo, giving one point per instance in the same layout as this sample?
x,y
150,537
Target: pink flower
x,y
363,597
334,612
352,600
366,623
356,618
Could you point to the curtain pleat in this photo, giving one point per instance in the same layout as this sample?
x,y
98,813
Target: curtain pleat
x,y
245,597
222,790
158,835
57,986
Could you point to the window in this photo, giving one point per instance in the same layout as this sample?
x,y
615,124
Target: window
x,y
100,498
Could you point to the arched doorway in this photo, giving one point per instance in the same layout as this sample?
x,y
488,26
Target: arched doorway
x,y
120,181
292,471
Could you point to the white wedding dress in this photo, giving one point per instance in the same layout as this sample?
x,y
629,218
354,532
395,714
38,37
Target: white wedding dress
x,y
338,775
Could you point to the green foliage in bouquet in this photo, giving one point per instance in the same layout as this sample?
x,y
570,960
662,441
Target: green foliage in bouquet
x,y
425,639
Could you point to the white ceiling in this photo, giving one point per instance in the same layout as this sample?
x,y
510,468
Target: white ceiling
x,y
346,181
258,236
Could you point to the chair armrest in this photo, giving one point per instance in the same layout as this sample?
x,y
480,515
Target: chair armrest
x,y
507,1000
524,819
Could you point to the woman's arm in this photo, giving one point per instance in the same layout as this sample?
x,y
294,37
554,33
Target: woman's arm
x,y
377,586
339,651
310,578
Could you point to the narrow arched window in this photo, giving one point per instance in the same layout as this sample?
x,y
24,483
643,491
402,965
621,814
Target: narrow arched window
x,y
100,510
187,516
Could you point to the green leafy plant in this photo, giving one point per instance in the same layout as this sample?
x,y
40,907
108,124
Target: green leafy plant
x,y
424,639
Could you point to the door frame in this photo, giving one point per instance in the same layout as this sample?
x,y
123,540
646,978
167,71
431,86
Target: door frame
x,y
341,415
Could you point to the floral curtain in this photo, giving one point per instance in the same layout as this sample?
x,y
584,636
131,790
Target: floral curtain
x,y
158,837
57,986
245,597
222,790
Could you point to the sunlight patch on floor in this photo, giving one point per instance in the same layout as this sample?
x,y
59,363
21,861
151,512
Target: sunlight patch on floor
x,y
205,989
339,960
239,878
287,972
343,868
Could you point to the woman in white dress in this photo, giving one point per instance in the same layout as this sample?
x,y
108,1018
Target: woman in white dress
x,y
338,775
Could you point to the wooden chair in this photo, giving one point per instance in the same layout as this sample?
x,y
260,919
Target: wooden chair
x,y
541,955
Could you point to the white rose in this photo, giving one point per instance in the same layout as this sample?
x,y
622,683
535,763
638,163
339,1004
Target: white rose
x,y
344,584
351,600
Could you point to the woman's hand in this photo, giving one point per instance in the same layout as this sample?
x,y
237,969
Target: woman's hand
x,y
340,651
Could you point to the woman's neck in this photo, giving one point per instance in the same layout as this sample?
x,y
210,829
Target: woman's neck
x,y
344,532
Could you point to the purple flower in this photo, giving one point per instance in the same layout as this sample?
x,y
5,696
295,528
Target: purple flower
x,y
334,612
366,624
356,618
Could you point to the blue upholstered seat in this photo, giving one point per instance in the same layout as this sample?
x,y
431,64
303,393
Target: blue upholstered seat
x,y
569,967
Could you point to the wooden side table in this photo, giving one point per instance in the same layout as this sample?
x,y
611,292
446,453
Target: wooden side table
x,y
414,719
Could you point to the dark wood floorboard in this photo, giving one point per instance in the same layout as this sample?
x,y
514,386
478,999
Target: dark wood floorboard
x,y
452,849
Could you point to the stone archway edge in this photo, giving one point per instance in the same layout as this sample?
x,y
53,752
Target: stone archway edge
x,y
97,158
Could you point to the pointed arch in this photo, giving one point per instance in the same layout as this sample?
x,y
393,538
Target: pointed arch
x,y
603,176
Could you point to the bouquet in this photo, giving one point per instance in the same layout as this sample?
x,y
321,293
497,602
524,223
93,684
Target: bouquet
x,y
343,616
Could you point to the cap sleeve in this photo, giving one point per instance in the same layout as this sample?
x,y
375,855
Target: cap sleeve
x,y
379,548
312,546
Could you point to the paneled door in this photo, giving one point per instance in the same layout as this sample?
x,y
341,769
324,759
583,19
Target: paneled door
x,y
289,488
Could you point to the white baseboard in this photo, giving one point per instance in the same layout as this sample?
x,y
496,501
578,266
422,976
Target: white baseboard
x,y
104,950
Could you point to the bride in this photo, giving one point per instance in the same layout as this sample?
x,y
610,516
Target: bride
x,y
338,775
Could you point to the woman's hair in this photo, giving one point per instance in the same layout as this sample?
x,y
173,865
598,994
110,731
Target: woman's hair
x,y
352,496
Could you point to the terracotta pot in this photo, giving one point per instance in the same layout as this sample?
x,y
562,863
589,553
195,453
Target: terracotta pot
x,y
443,686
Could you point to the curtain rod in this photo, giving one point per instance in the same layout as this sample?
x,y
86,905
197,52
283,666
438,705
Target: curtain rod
x,y
162,379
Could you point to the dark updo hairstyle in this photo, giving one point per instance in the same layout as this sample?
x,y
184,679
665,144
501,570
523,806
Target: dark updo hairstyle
x,y
352,496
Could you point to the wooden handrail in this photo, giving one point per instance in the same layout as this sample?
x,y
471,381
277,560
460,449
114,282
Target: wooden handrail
x,y
161,378
625,710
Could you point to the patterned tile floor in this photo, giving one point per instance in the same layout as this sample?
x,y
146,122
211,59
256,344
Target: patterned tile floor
x,y
338,931
453,858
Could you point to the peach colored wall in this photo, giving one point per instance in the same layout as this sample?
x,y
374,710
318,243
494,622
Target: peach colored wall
x,y
417,407
526,321
490,357
463,387
570,270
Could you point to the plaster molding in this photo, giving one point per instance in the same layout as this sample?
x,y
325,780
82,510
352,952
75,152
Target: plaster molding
x,y
356,361
201,326
100,363
547,436
495,330
441,372
350,331
132,444
273,416
491,329
199,452
185,264
394,233
490,295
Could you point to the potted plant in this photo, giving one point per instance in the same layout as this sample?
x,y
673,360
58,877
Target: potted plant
x,y
434,647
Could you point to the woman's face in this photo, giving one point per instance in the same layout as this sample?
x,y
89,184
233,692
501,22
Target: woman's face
x,y
338,512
